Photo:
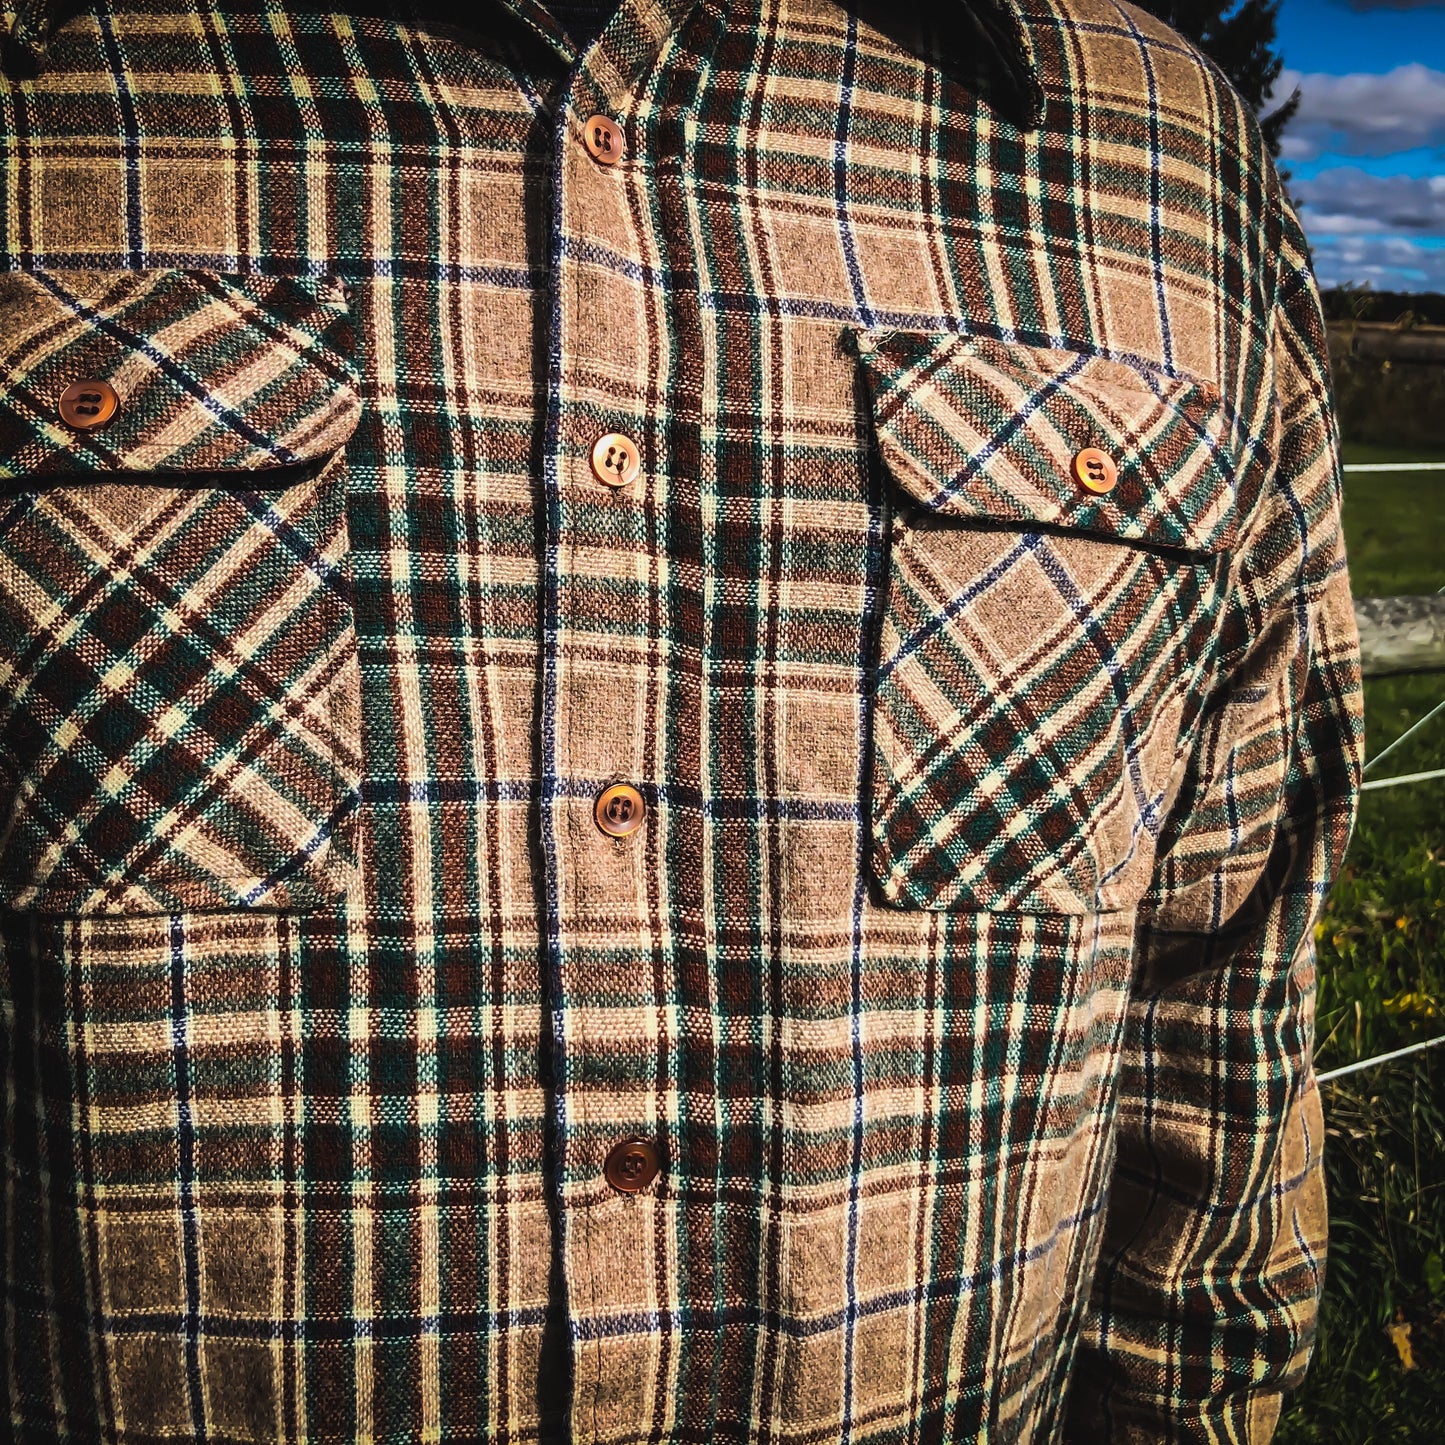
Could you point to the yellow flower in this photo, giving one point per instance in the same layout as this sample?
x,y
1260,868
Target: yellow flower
x,y
1399,1333
1419,1004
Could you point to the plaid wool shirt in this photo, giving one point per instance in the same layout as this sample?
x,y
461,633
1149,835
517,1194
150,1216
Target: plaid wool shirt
x,y
958,588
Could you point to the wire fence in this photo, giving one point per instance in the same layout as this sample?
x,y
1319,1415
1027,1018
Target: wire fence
x,y
1380,1059
1395,467
1398,781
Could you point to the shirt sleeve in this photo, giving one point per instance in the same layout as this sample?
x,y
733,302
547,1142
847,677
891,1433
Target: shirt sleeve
x,y
1205,1300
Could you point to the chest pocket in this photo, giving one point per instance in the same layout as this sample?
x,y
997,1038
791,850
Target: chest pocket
x,y
179,688
1042,638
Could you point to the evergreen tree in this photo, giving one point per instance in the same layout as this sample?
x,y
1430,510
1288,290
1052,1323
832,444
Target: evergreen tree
x,y
1240,38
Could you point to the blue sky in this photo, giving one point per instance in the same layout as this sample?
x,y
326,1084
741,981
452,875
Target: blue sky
x,y
1366,153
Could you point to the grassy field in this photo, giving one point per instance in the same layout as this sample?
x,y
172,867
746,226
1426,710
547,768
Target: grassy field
x,y
1379,1370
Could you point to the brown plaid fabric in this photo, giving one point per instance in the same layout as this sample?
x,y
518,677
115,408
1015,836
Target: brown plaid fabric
x,y
960,974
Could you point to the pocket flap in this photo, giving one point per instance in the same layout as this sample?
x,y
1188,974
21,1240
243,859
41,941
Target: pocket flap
x,y
211,373
984,430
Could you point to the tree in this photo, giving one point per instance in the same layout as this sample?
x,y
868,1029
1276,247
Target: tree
x,y
1240,38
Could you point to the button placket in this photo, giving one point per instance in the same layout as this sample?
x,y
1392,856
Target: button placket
x,y
603,822
619,809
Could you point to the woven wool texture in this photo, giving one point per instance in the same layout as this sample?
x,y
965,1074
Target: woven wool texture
x,y
962,970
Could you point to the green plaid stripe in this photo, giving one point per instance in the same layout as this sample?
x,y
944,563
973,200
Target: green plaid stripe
x,y
961,971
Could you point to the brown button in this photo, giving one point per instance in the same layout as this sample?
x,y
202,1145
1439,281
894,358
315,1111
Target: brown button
x,y
632,1165
86,405
620,810
604,140
1096,470
616,460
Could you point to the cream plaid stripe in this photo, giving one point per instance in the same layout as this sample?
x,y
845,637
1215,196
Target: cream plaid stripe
x,y
959,973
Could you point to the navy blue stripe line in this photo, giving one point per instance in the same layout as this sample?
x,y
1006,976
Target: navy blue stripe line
x,y
384,268
944,325
405,1325
930,1291
1148,822
1205,1208
1028,541
1156,41
1050,565
1216,449
741,302
845,225
408,1326
1156,200
301,856
1301,587
397,793
130,145
387,268
1006,433
576,248
295,543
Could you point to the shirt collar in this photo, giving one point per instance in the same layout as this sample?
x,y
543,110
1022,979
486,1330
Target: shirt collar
x,y
993,30
621,54
996,29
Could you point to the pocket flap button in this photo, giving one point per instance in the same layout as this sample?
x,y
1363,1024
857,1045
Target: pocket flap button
x,y
1096,470
88,405
632,1165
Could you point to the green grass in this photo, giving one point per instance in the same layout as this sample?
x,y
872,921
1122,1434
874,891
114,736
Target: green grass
x,y
1382,985
1394,524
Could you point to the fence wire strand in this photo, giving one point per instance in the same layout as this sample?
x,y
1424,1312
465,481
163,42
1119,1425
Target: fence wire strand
x,y
1394,467
1408,733
1401,779
1380,1059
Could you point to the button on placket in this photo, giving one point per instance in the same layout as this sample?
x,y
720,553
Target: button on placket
x,y
620,810
604,141
632,1165
616,460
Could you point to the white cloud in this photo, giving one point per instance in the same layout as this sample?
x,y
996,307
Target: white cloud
x,y
1347,201
1389,263
1363,114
